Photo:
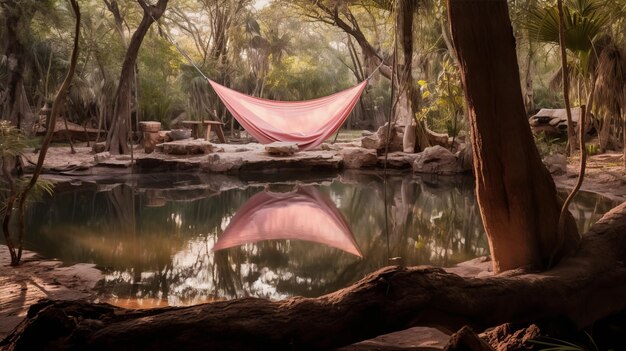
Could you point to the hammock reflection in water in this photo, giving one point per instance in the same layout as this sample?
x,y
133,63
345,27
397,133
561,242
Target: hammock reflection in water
x,y
304,214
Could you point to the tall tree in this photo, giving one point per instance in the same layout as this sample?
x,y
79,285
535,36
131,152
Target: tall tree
x,y
516,194
339,14
119,132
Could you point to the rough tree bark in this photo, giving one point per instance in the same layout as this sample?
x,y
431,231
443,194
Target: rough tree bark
x,y
516,194
581,289
118,134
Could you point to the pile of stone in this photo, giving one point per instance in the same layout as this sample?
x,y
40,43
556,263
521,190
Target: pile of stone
x,y
553,121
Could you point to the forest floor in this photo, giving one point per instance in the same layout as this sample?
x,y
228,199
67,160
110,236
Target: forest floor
x,y
39,277
604,175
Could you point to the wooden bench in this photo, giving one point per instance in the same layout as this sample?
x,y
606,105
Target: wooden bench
x,y
193,125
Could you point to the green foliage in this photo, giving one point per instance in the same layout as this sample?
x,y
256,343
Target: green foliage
x,y
443,105
554,344
583,21
547,145
547,98
12,142
592,149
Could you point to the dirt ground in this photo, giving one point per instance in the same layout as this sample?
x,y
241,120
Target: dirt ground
x,y
39,278
604,175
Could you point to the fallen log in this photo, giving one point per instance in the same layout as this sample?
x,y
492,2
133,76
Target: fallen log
x,y
580,290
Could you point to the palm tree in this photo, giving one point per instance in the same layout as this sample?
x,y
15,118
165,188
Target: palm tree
x,y
596,59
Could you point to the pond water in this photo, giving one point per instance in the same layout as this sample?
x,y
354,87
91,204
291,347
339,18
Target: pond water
x,y
154,235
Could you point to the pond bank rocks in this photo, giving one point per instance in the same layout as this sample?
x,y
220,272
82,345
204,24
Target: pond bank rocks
x,y
281,148
188,147
356,157
438,160
202,156
377,140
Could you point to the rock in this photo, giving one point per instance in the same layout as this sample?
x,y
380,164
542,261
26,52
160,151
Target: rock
x,y
188,147
556,164
437,160
553,121
180,134
357,157
397,160
216,163
281,148
164,136
509,336
98,147
329,147
371,142
101,156
377,140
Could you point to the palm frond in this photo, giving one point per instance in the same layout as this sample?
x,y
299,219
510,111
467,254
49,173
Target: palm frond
x,y
610,85
583,21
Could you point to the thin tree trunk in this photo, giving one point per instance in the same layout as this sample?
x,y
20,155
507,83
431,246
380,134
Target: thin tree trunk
x,y
68,136
8,212
571,133
56,108
117,141
516,194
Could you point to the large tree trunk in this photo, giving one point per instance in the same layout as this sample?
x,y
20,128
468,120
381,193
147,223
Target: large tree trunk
x,y
580,290
117,141
516,194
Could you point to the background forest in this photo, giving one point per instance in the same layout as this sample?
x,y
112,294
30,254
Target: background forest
x,y
296,50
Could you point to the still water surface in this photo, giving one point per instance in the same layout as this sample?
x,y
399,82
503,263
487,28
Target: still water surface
x,y
154,235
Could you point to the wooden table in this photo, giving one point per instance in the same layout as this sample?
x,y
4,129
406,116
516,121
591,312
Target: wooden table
x,y
193,125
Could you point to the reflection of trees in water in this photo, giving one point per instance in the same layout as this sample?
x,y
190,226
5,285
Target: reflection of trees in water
x,y
163,252
430,222
588,208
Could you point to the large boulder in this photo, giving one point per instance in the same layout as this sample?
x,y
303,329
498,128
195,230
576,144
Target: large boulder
x,y
553,121
437,160
378,140
281,148
356,157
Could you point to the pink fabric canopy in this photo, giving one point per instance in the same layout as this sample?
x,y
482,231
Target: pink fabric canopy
x,y
307,123
303,214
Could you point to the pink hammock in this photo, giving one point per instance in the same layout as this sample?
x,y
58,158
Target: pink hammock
x,y
307,123
303,214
